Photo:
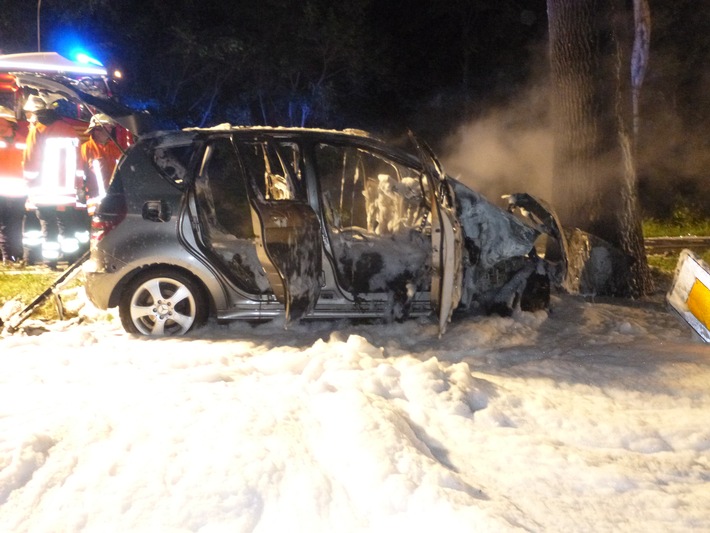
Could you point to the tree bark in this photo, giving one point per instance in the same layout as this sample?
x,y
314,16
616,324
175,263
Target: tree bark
x,y
594,173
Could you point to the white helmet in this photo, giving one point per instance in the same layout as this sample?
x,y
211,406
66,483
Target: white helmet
x,y
7,114
34,103
100,119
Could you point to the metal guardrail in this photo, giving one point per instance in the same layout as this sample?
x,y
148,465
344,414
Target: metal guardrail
x,y
675,244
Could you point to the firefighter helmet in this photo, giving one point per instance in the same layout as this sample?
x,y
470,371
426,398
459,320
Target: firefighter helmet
x,y
100,119
7,114
34,103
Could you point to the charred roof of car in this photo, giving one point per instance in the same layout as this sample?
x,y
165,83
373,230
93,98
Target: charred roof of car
x,y
275,129
357,138
187,135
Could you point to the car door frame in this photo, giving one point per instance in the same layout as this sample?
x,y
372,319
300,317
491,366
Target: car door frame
x,y
288,238
446,237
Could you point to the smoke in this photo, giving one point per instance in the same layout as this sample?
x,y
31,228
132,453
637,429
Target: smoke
x,y
506,149
509,149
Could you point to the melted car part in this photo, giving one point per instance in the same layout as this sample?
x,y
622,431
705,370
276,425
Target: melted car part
x,y
582,263
545,221
502,269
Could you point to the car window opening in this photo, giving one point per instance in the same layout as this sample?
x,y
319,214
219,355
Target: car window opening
x,y
225,216
376,221
267,171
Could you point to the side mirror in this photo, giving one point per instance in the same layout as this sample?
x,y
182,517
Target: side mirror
x,y
157,211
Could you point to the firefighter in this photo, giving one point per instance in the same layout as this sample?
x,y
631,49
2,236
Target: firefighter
x,y
99,155
13,191
8,124
50,169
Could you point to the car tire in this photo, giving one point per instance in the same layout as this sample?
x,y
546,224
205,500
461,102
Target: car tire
x,y
536,295
162,302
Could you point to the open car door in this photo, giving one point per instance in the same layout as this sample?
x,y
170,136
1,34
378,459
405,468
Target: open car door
x,y
446,238
288,234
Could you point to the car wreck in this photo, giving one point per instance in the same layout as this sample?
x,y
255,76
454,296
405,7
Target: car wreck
x,y
253,223
258,222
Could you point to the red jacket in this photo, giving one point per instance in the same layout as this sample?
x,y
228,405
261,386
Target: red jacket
x,y
12,144
50,163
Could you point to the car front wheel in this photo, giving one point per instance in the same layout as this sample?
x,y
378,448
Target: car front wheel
x,y
162,302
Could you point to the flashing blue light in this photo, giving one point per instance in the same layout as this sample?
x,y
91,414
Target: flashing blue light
x,y
84,59
72,45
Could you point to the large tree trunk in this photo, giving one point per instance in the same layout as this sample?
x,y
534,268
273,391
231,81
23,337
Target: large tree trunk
x,y
594,173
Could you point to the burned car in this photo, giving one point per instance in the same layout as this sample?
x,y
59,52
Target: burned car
x,y
257,223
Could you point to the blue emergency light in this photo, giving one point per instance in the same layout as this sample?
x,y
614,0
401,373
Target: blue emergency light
x,y
85,59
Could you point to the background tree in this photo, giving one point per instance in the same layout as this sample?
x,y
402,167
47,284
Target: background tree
x,y
594,171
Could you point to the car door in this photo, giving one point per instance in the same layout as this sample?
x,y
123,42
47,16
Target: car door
x,y
288,234
446,238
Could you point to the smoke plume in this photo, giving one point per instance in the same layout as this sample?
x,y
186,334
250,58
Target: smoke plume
x,y
506,149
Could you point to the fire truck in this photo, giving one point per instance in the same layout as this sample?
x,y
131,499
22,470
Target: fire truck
x,y
79,89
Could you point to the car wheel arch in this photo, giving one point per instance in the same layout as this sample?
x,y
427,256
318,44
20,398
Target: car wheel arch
x,y
163,300
128,279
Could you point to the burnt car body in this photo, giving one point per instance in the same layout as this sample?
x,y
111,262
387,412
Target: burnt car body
x,y
258,223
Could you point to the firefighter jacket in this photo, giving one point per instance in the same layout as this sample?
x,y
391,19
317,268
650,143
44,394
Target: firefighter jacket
x,y
12,144
7,129
99,161
50,163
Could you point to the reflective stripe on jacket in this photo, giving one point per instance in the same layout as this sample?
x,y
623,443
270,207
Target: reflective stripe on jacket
x,y
50,164
99,163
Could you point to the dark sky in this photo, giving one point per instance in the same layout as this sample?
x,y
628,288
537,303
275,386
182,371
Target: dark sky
x,y
402,56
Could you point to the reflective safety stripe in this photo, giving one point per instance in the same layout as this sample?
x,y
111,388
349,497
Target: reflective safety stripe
x,y
96,167
50,197
59,165
50,250
57,178
9,146
68,245
32,238
12,187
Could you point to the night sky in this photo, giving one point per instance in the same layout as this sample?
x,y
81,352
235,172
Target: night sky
x,y
395,59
